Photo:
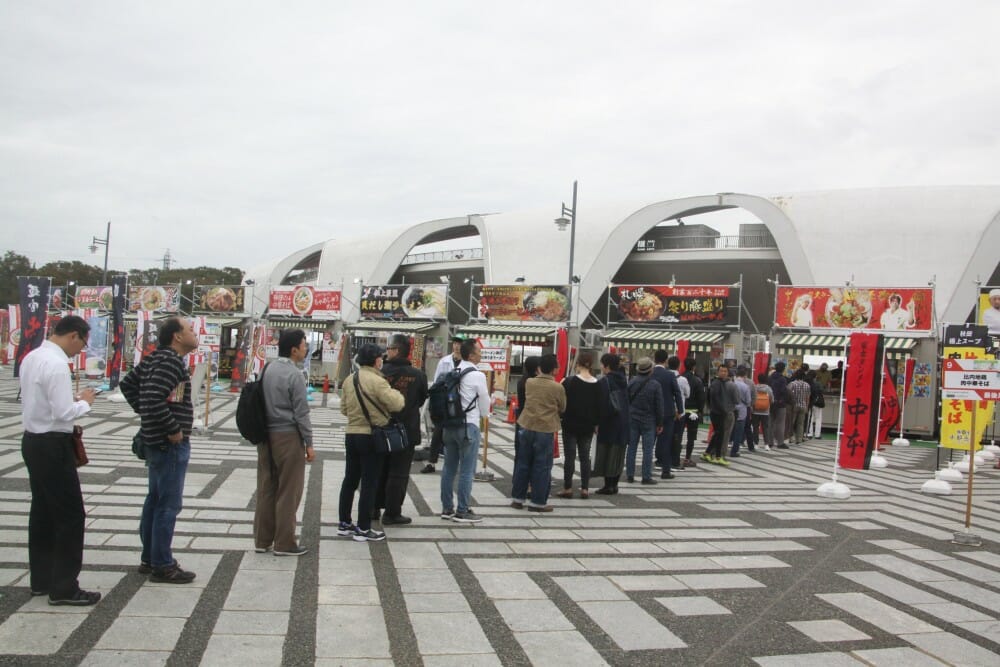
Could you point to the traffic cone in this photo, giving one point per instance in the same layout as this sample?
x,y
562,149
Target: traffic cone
x,y
512,411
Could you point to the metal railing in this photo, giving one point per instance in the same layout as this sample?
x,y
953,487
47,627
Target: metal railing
x,y
722,242
444,256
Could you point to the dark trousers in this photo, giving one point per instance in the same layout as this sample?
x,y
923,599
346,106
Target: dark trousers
x,y
362,468
665,443
437,445
55,525
573,443
692,435
394,477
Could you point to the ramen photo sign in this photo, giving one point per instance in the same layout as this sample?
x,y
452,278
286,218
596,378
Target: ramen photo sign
x,y
305,301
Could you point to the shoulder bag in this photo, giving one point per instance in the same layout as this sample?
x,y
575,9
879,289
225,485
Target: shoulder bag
x,y
389,438
79,452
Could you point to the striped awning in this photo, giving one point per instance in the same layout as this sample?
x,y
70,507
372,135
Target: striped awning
x,y
393,326
303,323
819,345
643,339
517,332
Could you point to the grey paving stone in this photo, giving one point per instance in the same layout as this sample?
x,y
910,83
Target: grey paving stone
x,y
416,556
969,592
630,626
360,595
953,649
116,658
878,613
35,634
475,548
746,562
427,581
894,657
553,648
142,633
462,660
346,572
524,565
251,623
344,631
569,548
863,525
259,590
717,581
828,659
893,588
436,603
924,554
449,633
618,564
693,605
990,629
532,615
904,568
510,586
590,588
832,630
9,576
648,582
988,557
953,612
343,549
177,602
243,649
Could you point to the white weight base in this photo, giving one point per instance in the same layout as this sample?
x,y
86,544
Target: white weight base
x,y
901,442
963,466
950,474
986,456
936,487
878,461
836,490
992,448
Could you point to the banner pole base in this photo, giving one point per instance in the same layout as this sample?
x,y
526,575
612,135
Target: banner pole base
x,y
967,539
484,476
937,486
878,461
834,489
901,442
950,474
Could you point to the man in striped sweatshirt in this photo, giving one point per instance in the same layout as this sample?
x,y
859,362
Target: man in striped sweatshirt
x,y
159,390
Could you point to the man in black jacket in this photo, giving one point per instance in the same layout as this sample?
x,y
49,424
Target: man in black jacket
x,y
159,389
673,408
395,474
693,407
779,385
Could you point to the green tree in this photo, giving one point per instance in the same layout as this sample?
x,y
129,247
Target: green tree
x,y
13,265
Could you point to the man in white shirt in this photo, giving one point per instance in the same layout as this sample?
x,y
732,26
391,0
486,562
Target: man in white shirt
x,y
991,316
445,365
55,526
461,444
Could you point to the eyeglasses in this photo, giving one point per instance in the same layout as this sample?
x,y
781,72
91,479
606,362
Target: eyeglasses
x,y
392,347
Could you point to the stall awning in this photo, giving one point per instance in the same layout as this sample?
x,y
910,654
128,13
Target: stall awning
x,y
701,341
517,333
819,345
389,325
303,323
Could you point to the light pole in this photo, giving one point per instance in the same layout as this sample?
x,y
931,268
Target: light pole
x,y
104,242
561,222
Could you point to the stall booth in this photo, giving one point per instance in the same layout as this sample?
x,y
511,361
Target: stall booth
x,y
645,318
316,312
519,340
903,315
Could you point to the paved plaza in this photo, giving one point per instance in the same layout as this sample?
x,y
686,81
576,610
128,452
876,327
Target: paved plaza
x,y
719,566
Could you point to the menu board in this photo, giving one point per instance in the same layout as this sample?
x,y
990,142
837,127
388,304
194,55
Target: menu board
x,y
427,302
304,301
683,304
100,297
525,303
154,298
884,308
219,298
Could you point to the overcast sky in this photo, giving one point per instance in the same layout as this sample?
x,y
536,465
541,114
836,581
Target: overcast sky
x,y
233,133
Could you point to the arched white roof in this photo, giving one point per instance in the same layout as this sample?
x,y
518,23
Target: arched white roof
x,y
905,236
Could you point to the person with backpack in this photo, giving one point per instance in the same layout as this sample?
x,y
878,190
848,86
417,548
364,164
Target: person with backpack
x,y
545,401
159,390
461,440
694,404
394,476
761,413
612,429
645,400
445,365
282,458
363,462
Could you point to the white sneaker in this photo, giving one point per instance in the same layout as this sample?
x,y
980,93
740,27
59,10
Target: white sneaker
x,y
767,448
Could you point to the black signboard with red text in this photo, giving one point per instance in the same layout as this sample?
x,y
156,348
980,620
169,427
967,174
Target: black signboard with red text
x,y
682,304
34,297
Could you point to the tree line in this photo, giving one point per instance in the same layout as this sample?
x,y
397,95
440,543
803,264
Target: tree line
x,y
13,265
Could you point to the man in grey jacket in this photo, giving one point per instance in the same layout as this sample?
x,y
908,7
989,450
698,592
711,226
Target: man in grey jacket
x,y
281,460
722,400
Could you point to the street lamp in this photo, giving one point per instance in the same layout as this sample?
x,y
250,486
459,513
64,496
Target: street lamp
x,y
561,222
104,242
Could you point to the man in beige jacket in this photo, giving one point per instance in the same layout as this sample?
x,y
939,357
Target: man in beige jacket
x,y
545,401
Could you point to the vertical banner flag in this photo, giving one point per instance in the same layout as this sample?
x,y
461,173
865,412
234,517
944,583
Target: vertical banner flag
x,y
14,324
761,362
4,335
889,407
683,349
861,394
562,354
259,349
119,301
911,364
34,293
240,361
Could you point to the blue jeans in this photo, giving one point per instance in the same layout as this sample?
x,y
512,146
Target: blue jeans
x,y
648,434
535,465
164,500
739,435
461,448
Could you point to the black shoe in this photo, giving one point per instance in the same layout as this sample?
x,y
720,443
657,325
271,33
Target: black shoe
x,y
604,491
81,598
630,480
516,504
145,568
396,520
782,446
296,551
427,468
36,594
172,575
648,480
467,516
734,455
667,475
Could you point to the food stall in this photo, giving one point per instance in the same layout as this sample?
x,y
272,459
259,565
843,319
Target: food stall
x,y
812,324
224,311
645,318
317,312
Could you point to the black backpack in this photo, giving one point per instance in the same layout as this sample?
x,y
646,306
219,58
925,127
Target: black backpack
x,y
251,413
444,400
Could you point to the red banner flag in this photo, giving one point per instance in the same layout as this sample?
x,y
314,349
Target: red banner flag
x,y
761,362
908,382
889,407
859,427
683,349
562,355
